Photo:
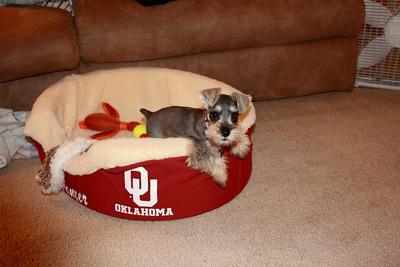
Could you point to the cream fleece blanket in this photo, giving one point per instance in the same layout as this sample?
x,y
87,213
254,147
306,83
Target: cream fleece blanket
x,y
56,113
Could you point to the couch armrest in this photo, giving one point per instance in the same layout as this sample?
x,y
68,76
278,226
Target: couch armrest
x,y
35,41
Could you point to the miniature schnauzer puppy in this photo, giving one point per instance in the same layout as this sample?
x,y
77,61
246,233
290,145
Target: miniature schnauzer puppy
x,y
211,130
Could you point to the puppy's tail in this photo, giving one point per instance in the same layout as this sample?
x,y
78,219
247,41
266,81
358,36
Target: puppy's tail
x,y
145,112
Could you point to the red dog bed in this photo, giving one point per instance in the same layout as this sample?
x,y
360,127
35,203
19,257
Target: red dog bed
x,y
124,177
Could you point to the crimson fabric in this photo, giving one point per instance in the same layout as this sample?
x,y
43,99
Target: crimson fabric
x,y
184,191
181,191
39,148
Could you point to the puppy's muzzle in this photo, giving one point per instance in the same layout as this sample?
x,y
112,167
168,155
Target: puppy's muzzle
x,y
225,131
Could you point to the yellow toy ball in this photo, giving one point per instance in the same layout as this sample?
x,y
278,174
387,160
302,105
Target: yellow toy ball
x,y
139,131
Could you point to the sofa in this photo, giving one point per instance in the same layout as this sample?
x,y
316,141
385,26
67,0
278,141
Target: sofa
x,y
269,49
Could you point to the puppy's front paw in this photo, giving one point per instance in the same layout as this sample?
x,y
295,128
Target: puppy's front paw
x,y
241,148
192,162
221,181
220,178
219,173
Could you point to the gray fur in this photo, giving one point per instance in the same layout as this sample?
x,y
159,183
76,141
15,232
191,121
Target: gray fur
x,y
176,121
210,96
242,101
211,128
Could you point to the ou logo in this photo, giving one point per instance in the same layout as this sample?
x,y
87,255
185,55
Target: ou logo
x,y
139,187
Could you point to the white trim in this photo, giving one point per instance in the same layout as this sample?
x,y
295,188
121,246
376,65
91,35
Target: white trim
x,y
378,86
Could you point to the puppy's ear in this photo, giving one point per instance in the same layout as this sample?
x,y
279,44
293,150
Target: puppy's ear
x,y
210,96
242,101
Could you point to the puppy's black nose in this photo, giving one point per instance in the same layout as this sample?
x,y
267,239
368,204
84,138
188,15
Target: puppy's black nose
x,y
225,131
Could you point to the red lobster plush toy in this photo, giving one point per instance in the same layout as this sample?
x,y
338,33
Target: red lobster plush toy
x,y
108,124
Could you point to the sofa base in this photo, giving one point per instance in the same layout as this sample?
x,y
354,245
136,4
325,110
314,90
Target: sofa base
x,y
269,72
21,94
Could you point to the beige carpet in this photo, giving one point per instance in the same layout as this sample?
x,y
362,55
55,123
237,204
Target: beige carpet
x,y
325,191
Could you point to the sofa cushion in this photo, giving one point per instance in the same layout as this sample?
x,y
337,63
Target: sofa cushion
x,y
36,41
122,30
153,2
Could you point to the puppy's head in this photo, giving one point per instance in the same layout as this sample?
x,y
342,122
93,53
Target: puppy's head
x,y
223,114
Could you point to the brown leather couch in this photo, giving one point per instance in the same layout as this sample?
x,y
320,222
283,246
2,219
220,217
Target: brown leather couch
x,y
269,49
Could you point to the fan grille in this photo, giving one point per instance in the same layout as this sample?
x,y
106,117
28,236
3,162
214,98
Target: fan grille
x,y
62,4
385,74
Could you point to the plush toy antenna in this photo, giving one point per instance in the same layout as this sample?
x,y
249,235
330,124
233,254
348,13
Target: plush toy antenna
x,y
110,110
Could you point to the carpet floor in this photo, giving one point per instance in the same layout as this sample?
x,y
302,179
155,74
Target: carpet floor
x,y
325,191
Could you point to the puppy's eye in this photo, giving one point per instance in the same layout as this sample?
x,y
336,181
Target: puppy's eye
x,y
214,115
234,117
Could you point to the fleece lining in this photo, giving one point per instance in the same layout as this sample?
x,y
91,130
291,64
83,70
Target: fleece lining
x,y
56,113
